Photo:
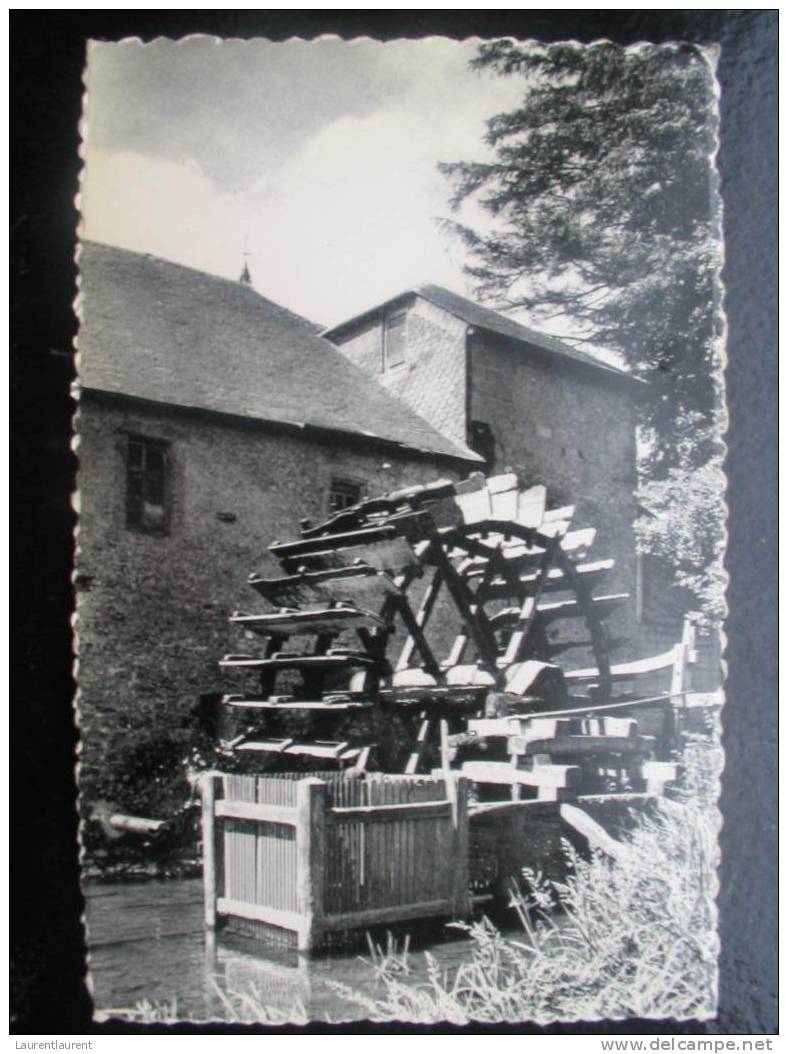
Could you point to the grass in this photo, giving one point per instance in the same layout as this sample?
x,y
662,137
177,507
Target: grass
x,y
238,1007
145,1012
609,942
248,1008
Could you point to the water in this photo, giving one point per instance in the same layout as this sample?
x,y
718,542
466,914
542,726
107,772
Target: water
x,y
147,944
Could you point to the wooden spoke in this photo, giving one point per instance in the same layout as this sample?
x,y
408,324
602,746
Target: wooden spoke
x,y
473,616
422,618
417,754
511,572
417,634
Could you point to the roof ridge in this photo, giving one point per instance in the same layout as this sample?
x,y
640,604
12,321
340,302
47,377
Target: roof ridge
x,y
461,296
452,303
560,346
203,274
158,330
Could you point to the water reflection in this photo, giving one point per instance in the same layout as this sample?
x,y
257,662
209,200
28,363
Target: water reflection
x,y
148,946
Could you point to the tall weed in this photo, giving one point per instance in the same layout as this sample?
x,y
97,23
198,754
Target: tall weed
x,y
611,941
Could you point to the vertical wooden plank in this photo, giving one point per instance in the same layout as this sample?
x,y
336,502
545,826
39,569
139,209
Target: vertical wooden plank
x,y
408,862
418,827
361,843
246,836
435,863
354,888
377,796
444,739
208,795
379,888
680,678
396,851
228,842
386,858
310,859
460,869
392,846
262,851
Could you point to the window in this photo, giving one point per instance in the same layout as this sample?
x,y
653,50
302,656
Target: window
x,y
147,485
343,494
394,333
482,441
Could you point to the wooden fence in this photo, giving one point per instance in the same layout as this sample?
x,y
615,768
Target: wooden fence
x,y
313,855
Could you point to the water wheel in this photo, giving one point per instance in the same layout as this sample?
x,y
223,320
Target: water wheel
x,y
410,614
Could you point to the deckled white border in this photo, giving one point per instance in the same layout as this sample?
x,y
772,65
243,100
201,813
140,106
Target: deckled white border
x,y
711,54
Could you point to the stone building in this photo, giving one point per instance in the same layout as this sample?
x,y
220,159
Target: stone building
x,y
210,422
525,402
530,403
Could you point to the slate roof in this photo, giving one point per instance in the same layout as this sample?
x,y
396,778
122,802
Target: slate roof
x,y
162,332
484,318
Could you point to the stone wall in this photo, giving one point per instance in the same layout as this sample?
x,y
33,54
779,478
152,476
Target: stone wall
x,y
432,378
561,424
572,429
152,610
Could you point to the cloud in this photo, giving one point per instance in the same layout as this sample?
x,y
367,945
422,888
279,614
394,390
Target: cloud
x,y
352,217
166,208
342,223
347,223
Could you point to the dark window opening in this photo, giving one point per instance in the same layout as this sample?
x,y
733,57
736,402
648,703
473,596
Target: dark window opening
x,y
394,331
343,494
482,441
147,485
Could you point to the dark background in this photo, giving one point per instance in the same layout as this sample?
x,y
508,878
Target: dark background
x,y
48,993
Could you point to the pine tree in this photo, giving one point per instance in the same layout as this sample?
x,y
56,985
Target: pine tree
x,y
601,212
602,206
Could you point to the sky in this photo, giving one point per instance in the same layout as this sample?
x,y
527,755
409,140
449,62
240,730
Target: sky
x,y
318,158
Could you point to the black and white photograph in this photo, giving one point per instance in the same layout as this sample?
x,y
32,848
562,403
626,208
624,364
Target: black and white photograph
x,y
400,530
400,598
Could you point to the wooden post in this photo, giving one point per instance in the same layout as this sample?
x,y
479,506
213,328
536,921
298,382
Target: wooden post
x,y
458,788
679,681
595,834
445,760
310,859
669,733
208,782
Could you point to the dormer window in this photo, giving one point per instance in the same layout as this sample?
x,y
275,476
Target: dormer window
x,y
394,335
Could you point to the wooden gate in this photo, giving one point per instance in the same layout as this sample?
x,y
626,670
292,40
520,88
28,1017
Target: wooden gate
x,y
312,855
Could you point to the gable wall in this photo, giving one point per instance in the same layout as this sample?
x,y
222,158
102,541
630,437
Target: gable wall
x,y
432,379
574,432
569,427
